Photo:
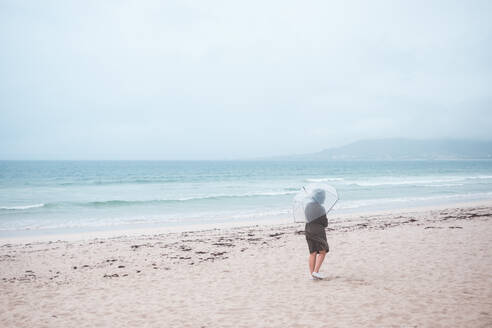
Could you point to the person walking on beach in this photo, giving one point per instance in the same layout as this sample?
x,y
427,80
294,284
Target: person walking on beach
x,y
315,232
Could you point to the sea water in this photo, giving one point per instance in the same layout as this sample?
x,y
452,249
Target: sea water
x,y
58,197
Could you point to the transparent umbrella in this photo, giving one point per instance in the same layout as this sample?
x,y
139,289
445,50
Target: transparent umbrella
x,y
309,194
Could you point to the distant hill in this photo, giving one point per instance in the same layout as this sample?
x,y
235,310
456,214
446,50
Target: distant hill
x,y
402,149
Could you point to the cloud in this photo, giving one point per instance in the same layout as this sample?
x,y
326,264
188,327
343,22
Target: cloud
x,y
222,79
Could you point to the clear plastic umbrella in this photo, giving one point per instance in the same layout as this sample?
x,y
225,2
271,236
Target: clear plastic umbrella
x,y
307,195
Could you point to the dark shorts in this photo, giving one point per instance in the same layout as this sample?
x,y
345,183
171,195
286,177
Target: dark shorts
x,y
316,238
315,246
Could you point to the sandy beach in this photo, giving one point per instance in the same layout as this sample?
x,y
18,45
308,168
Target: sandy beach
x,y
409,268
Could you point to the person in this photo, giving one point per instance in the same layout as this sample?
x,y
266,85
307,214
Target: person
x,y
315,232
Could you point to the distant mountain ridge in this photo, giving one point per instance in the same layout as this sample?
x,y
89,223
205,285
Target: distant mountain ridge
x,y
402,149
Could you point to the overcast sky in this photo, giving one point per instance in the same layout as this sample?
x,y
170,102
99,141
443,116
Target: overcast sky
x,y
237,79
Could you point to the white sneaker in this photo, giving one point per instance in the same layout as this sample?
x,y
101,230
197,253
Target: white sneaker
x,y
318,275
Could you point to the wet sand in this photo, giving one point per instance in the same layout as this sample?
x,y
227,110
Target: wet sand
x,y
412,268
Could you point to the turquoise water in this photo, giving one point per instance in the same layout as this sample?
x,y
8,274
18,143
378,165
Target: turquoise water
x,y
51,197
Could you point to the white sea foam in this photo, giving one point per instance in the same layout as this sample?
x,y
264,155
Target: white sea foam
x,y
415,180
444,185
23,207
482,177
406,181
355,204
169,219
324,179
248,194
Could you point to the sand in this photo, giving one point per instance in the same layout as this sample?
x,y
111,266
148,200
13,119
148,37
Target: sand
x,y
419,268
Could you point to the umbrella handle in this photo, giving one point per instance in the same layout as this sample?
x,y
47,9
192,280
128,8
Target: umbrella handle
x,y
332,206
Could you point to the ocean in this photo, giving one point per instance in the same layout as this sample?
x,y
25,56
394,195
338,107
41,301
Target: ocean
x,y
60,197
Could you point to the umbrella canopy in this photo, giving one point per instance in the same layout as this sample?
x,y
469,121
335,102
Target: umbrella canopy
x,y
313,201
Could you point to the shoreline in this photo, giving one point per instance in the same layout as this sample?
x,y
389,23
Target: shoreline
x,y
428,268
333,217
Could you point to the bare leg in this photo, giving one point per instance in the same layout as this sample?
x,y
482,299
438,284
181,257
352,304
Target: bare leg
x,y
312,262
319,260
